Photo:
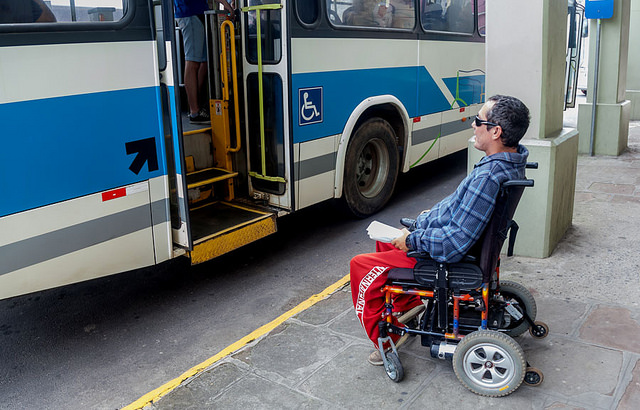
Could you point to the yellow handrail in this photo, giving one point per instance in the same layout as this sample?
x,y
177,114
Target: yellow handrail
x,y
225,80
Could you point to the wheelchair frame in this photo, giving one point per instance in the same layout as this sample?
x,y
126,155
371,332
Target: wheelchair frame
x,y
470,318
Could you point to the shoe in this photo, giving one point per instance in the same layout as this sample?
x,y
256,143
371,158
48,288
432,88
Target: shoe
x,y
376,359
202,117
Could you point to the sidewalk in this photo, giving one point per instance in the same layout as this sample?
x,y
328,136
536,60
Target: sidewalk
x,y
587,292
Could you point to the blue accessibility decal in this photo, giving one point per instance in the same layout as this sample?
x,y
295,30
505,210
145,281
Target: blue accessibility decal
x,y
310,105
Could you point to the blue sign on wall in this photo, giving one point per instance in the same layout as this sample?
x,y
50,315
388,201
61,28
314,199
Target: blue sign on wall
x,y
310,105
598,9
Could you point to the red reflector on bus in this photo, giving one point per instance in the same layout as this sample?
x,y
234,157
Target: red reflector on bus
x,y
116,193
417,119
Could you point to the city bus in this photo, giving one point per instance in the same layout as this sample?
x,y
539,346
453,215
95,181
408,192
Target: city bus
x,y
101,171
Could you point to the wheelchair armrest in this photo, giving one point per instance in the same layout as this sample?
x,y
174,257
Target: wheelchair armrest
x,y
418,255
408,223
518,182
532,165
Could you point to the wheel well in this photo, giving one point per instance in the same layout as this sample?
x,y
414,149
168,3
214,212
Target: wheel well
x,y
391,114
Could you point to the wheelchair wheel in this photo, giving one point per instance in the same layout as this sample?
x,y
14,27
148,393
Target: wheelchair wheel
x,y
514,290
489,363
533,377
394,368
539,330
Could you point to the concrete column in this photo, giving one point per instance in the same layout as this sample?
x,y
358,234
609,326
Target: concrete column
x,y
613,109
633,68
525,57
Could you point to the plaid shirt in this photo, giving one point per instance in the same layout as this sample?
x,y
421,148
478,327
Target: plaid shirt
x,y
452,226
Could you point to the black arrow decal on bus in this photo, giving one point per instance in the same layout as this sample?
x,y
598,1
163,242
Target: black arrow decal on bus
x,y
146,150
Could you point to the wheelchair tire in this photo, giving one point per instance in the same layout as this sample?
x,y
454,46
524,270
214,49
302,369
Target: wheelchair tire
x,y
514,290
533,377
489,363
394,368
370,168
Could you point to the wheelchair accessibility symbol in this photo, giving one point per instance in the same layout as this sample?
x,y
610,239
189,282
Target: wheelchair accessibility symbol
x,y
310,105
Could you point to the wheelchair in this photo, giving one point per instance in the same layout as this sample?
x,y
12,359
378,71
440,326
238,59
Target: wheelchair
x,y
471,317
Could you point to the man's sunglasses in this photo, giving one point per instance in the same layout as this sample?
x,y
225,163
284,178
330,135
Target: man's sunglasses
x,y
479,122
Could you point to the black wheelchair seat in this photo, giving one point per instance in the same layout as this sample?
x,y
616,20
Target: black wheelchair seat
x,y
458,276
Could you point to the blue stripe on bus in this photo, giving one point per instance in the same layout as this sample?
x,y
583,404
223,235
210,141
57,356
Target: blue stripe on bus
x,y
61,148
468,89
344,90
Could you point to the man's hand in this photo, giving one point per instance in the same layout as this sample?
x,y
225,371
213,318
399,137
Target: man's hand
x,y
401,241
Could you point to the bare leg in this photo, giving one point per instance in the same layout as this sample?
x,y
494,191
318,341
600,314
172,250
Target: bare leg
x,y
191,70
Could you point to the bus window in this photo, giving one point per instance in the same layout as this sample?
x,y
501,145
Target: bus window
x,y
308,11
482,13
448,15
270,29
372,13
60,11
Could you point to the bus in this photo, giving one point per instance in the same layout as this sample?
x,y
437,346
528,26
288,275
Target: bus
x,y
101,172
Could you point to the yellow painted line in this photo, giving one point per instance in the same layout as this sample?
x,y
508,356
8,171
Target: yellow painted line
x,y
161,391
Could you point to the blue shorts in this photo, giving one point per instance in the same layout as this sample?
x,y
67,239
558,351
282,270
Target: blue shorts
x,y
195,46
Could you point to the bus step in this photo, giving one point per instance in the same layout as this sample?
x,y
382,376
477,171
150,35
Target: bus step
x,y
208,176
223,227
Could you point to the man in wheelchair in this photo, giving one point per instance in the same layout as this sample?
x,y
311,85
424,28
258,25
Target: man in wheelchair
x,y
446,232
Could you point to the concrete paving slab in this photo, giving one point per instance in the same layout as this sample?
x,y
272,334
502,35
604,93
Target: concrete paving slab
x,y
614,327
564,317
581,372
327,310
631,398
200,392
348,381
253,392
348,324
445,391
292,353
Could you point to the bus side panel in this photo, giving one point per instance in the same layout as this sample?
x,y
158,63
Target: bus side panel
x,y
83,165
77,127
315,169
76,240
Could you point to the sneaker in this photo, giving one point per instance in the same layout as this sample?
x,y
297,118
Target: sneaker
x,y
375,358
202,117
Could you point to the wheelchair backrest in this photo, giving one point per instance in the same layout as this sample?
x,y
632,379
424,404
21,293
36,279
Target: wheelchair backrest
x,y
487,249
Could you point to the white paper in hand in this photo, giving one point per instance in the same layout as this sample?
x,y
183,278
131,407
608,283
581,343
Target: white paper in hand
x,y
382,232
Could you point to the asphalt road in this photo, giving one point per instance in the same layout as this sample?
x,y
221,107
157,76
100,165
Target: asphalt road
x,y
104,343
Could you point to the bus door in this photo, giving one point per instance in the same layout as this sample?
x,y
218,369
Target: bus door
x,y
265,72
169,83
209,215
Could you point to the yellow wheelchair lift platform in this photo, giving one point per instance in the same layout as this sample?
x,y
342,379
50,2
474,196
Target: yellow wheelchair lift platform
x,y
235,226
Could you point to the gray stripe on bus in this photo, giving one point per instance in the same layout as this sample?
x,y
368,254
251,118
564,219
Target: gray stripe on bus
x,y
425,134
316,166
431,133
456,126
41,248
326,163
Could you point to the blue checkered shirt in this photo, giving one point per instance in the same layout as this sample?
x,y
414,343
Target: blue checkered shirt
x,y
453,225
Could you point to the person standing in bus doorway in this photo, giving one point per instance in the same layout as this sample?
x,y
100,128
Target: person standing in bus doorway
x,y
190,18
448,230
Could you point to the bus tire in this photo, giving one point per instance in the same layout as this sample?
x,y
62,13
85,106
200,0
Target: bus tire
x,y
371,167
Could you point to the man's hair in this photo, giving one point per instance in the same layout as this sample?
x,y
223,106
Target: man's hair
x,y
512,116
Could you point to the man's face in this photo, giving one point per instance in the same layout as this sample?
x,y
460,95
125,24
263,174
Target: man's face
x,y
483,133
